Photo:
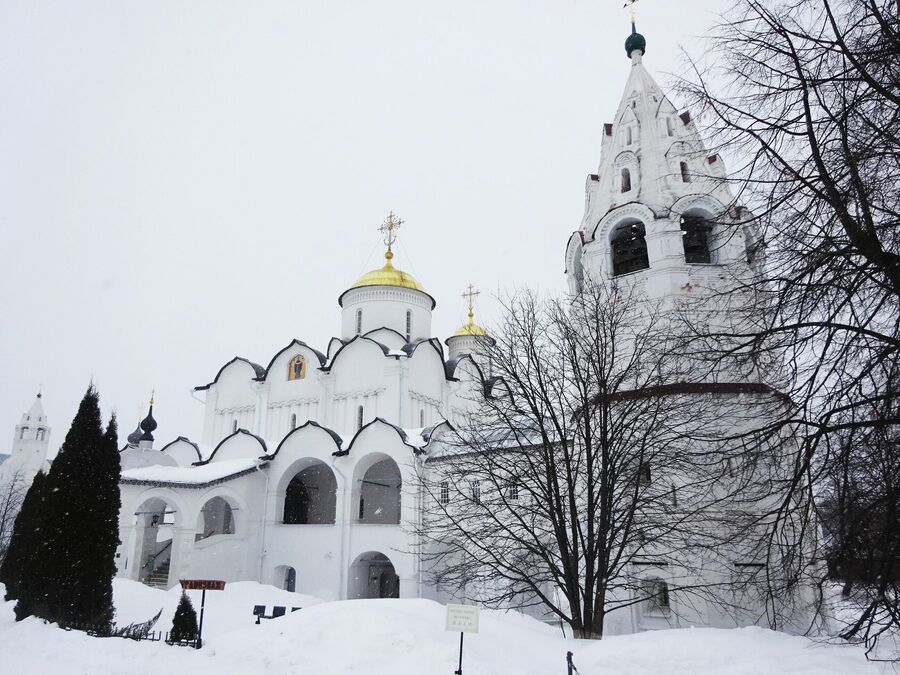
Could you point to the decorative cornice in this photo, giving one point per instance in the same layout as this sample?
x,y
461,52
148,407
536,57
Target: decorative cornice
x,y
294,401
370,293
361,393
244,408
422,398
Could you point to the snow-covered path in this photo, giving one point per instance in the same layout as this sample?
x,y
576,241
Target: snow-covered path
x,y
393,637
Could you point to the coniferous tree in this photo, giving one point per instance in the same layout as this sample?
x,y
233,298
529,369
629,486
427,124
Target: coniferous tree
x,y
71,580
184,623
27,532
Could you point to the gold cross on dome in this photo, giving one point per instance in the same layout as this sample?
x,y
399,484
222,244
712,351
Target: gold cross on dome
x,y
629,5
389,229
470,296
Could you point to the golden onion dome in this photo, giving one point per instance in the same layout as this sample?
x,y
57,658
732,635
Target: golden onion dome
x,y
388,276
470,329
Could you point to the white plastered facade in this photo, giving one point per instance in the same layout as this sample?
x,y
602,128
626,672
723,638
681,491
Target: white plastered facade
x,y
354,418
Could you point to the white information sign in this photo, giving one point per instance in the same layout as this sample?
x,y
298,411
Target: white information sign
x,y
462,618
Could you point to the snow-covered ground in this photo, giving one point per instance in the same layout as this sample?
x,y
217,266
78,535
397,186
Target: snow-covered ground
x,y
392,637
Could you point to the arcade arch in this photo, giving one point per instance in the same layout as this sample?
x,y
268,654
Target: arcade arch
x,y
310,496
372,575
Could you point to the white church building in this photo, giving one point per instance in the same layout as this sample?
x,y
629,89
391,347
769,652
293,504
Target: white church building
x,y
305,475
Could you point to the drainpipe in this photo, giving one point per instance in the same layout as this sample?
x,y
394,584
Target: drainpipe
x,y
420,465
265,524
345,533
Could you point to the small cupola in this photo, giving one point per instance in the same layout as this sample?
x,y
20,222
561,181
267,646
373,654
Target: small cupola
x,y
148,426
470,338
387,297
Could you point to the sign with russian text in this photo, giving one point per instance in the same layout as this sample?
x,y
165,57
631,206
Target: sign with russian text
x,y
202,585
462,618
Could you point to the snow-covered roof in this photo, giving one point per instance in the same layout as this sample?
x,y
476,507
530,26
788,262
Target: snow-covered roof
x,y
191,476
468,441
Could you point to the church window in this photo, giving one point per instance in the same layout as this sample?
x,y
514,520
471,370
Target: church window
x,y
629,249
657,592
40,434
233,425
422,418
293,421
359,417
445,493
670,128
644,474
475,486
685,174
674,495
408,324
626,180
22,432
297,368
512,490
358,321
629,136
695,233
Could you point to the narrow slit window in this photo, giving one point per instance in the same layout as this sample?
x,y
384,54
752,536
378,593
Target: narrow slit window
x,y
644,474
358,321
685,174
293,421
626,180
670,128
408,324
359,417
233,426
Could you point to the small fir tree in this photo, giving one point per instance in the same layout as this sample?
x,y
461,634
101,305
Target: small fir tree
x,y
184,623
26,537
71,582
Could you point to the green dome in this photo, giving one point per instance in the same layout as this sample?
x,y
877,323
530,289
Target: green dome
x,y
635,41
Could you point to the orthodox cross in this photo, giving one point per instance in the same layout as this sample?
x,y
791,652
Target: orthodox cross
x,y
389,230
470,296
629,5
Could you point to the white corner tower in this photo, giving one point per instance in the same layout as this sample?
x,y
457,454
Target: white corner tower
x,y
31,442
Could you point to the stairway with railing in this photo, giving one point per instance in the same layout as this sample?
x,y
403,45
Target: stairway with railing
x,y
158,575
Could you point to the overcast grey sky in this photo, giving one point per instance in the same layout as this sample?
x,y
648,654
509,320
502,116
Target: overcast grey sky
x,y
182,182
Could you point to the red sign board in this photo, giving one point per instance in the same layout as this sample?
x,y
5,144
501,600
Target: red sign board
x,y
202,585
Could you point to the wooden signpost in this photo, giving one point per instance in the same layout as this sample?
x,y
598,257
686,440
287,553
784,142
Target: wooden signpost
x,y
462,618
202,585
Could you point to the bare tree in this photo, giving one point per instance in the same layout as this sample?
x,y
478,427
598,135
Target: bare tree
x,y
12,493
595,476
804,96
